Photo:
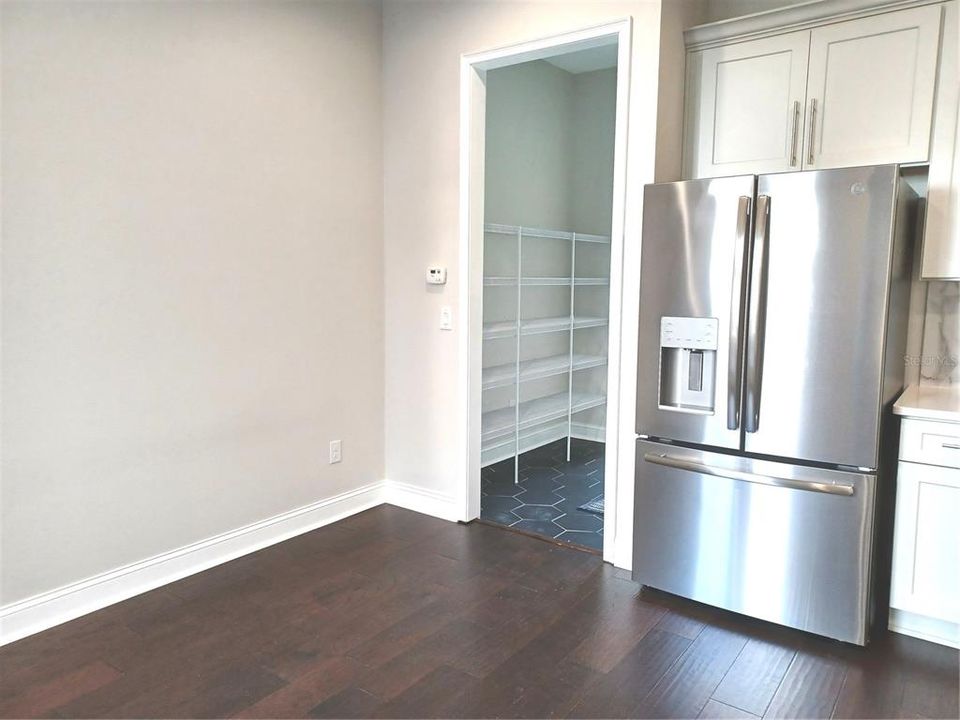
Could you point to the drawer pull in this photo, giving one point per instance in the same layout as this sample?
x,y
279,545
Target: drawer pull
x,y
930,442
704,469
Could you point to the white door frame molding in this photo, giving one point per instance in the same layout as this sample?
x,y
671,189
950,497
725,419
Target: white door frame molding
x,y
473,69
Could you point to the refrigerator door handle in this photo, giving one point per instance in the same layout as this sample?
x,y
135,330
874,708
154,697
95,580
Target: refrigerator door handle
x,y
758,312
704,469
737,315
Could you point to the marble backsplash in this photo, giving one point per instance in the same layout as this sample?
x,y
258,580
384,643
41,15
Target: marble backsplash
x,y
940,358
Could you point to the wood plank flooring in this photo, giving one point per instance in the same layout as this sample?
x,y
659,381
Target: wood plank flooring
x,y
394,614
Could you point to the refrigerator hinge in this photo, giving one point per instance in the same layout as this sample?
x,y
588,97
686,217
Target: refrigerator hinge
x,y
856,468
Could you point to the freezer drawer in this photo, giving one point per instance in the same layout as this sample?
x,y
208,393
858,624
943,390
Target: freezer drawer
x,y
779,542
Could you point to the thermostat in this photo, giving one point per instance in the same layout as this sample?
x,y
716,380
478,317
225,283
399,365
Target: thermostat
x,y
436,276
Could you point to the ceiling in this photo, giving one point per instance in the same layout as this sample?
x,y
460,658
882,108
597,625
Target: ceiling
x,y
581,61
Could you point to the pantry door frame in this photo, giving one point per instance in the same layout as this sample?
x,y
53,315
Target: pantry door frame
x,y
473,70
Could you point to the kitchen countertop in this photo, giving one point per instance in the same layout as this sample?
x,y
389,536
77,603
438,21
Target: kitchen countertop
x,y
930,402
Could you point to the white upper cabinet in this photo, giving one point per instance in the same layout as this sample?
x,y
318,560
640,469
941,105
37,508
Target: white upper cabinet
x,y
834,94
941,241
751,106
871,88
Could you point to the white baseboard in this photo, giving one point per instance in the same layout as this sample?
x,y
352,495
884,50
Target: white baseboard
x,y
529,440
32,615
421,500
40,612
540,437
582,431
942,632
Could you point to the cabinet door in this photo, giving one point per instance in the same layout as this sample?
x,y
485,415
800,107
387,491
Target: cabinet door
x,y
870,89
926,546
941,241
746,114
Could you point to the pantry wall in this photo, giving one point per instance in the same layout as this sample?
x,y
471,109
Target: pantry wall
x,y
548,197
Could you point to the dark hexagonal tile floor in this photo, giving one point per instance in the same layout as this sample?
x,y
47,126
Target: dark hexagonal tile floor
x,y
578,520
538,497
537,512
546,498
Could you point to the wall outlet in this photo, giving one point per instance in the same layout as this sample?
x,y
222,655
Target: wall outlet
x,y
334,451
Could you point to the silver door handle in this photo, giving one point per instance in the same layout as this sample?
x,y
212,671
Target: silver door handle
x,y
813,129
758,309
737,311
795,133
704,469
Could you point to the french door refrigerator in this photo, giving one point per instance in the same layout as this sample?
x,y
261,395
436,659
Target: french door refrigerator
x,y
773,315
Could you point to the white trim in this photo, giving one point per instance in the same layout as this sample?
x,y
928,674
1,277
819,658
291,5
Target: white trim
x,y
421,500
617,545
541,436
789,19
582,431
942,632
473,68
40,612
529,439
473,91
46,610
588,37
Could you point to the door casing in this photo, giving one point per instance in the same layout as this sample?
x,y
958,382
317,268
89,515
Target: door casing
x,y
619,435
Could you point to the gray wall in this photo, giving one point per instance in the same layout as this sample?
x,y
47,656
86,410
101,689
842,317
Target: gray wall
x,y
594,122
423,41
192,273
675,17
529,136
549,147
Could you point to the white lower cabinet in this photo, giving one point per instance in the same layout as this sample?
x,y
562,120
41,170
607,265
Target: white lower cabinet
x,y
925,590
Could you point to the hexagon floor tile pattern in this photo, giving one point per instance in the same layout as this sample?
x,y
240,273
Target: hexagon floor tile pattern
x,y
550,490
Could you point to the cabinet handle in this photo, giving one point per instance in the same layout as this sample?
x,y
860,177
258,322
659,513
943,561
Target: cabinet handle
x,y
796,131
813,129
950,446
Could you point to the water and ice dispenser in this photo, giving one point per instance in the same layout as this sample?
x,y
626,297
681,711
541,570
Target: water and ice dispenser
x,y
688,364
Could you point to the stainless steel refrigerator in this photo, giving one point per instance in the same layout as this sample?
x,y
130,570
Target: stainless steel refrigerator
x,y
773,315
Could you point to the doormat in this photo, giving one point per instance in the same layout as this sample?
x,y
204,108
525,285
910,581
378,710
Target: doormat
x,y
595,506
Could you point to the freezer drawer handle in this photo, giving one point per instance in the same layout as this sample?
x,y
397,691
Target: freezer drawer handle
x,y
694,466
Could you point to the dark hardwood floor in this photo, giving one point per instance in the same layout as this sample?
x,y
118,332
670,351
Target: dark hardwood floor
x,y
394,614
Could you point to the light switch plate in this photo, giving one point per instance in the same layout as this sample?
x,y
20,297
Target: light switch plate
x,y
446,318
